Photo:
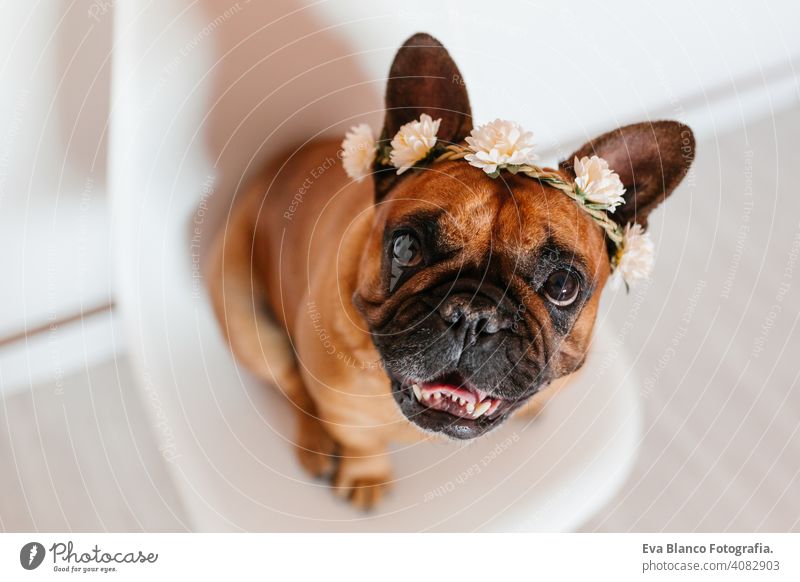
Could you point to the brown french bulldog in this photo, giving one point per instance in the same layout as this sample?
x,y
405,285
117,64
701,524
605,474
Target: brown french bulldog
x,y
438,301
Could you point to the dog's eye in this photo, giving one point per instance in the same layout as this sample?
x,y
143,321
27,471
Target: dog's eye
x,y
405,253
405,250
561,288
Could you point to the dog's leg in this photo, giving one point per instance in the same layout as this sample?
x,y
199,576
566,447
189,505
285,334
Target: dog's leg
x,y
255,339
238,300
316,449
363,476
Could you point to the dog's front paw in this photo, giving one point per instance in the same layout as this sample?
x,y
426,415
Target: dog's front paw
x,y
363,479
316,449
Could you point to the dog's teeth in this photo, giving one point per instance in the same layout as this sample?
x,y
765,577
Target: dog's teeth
x,y
437,395
470,407
417,391
481,408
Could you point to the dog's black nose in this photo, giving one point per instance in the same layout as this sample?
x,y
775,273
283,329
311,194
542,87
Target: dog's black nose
x,y
474,316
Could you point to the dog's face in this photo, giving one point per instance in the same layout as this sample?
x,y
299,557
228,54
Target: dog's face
x,y
479,292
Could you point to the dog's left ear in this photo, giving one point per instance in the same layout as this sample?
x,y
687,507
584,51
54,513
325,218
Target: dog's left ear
x,y
651,160
423,79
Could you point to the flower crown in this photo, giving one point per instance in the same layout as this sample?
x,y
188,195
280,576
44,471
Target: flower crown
x,y
504,145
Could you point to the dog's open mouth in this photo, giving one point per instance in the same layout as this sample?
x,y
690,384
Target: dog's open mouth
x,y
452,406
459,401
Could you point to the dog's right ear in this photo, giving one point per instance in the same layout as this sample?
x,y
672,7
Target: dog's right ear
x,y
423,79
650,158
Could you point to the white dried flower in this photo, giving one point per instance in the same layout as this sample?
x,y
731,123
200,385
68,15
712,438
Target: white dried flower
x,y
598,182
499,144
634,261
413,142
358,151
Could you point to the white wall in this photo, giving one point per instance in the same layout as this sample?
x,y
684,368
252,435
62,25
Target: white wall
x,y
54,101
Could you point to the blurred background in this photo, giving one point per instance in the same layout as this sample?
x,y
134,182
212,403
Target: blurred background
x,y
127,129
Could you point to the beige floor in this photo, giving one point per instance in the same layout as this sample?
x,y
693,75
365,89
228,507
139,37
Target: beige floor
x,y
79,456
718,339
716,344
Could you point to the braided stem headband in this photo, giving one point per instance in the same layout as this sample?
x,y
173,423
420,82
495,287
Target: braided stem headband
x,y
503,145
596,211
